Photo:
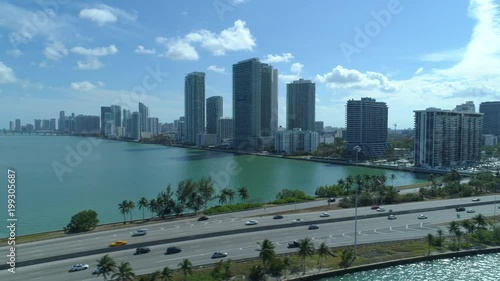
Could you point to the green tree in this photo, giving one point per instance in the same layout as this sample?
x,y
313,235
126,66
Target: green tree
x,y
346,257
266,251
306,249
227,269
229,194
243,193
130,207
454,228
256,273
276,268
81,222
156,275
107,266
439,241
323,252
167,274
123,207
430,240
480,221
143,203
222,198
186,267
124,272
287,264
469,227
153,207
207,190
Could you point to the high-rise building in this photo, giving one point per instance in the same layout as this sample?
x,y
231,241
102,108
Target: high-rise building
x,y
38,124
125,121
104,110
45,124
301,105
247,104
12,126
61,123
445,138
319,127
491,118
194,105
466,107
153,125
116,115
214,112
144,111
18,125
135,128
86,124
224,129
366,126
52,125
269,101
296,140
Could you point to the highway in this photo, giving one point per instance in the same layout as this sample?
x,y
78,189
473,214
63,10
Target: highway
x,y
337,230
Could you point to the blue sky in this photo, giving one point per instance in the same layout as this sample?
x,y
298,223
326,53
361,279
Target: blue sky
x,y
77,56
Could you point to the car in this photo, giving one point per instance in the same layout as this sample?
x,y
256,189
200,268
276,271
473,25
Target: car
x,y
118,243
312,226
324,215
204,218
293,244
218,255
251,222
98,270
331,200
173,250
460,209
391,217
142,250
278,217
78,267
297,220
375,207
476,199
498,206
470,211
381,209
140,232
422,217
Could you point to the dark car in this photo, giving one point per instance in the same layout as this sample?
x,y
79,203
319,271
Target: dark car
x,y
278,217
330,200
173,250
375,207
460,209
142,250
313,226
204,218
293,244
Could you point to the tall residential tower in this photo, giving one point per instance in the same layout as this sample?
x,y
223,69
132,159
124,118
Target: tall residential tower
x,y
194,105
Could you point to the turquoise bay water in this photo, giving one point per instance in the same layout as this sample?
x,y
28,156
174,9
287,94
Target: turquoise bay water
x,y
472,268
58,176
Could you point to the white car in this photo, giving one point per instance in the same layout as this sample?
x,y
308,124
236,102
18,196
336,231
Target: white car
x,y
476,199
98,270
78,267
251,222
381,209
470,211
217,255
324,215
297,220
422,217
391,217
140,232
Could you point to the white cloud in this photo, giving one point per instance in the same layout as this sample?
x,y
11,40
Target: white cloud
x,y
296,68
85,86
15,53
141,50
91,63
341,77
6,74
237,2
217,69
235,38
448,55
285,57
102,51
419,70
55,51
104,14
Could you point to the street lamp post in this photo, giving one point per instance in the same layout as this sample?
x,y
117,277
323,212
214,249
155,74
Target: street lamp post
x,y
357,149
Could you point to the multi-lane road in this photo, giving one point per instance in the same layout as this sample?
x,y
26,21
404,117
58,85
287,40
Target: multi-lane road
x,y
51,259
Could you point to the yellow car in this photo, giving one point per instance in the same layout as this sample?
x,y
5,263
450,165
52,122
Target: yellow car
x,y
118,243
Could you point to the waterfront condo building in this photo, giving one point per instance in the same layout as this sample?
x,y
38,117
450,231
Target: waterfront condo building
x,y
269,101
224,129
135,126
194,105
445,138
86,124
300,105
366,126
466,107
296,140
214,112
144,115
491,118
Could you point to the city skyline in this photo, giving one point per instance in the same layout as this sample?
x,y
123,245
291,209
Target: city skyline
x,y
88,55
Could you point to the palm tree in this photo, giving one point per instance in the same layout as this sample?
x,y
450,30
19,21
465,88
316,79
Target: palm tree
x,y
123,206
266,251
256,273
480,221
286,264
130,207
143,203
107,265
155,276
227,269
306,249
346,257
229,194
469,227
167,274
222,198
440,239
153,206
243,192
124,272
186,268
323,252
206,189
217,270
276,268
349,182
429,239
458,233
